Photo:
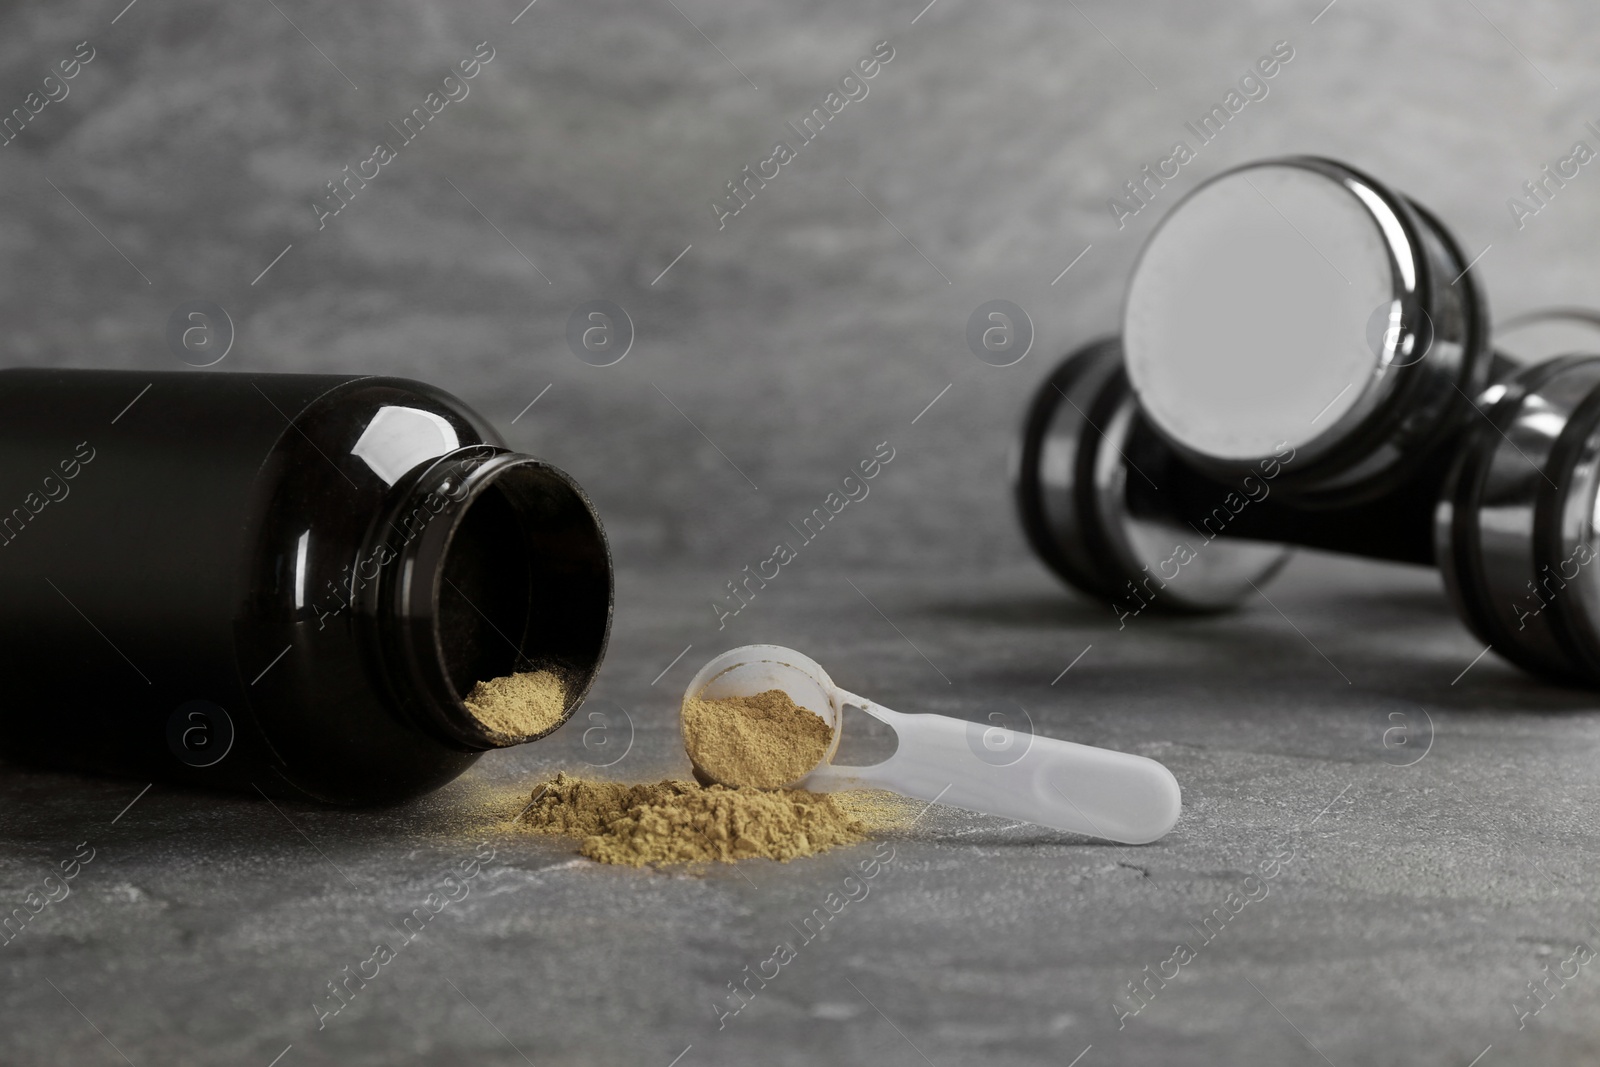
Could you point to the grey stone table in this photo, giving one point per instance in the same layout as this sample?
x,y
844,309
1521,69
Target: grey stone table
x,y
1408,908
1381,914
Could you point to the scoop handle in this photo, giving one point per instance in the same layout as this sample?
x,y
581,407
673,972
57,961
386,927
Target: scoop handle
x,y
1094,791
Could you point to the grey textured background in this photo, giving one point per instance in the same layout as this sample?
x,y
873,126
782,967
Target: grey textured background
x,y
1421,899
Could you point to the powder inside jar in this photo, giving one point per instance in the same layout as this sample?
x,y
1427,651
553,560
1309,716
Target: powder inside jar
x,y
519,705
674,822
765,740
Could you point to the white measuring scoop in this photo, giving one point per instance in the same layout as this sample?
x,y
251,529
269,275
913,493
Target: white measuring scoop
x,y
1059,784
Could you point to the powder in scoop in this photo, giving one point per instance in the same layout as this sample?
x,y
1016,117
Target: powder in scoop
x,y
684,822
766,740
529,702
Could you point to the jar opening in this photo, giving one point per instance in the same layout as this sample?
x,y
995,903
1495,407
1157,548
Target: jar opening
x,y
513,575
524,584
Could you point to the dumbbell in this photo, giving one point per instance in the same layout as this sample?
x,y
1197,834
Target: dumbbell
x,y
1305,360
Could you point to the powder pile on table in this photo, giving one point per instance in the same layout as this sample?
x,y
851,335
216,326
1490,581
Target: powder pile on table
x,y
765,740
519,705
751,747
674,822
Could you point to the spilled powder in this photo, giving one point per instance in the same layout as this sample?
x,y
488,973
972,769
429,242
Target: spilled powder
x,y
766,740
674,822
878,809
518,705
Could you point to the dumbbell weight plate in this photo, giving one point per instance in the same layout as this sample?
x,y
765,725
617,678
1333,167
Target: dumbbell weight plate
x,y
1515,529
1089,478
1299,302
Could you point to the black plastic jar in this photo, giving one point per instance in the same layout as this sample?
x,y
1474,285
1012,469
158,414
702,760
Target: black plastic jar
x,y
277,582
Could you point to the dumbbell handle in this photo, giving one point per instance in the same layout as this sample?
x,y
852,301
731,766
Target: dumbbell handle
x,y
1397,525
